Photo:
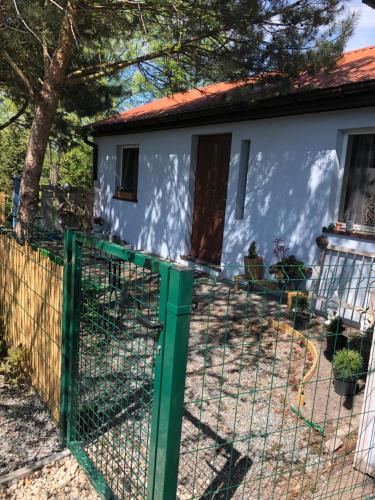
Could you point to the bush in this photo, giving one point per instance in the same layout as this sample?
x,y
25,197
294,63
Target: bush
x,y
301,305
347,364
252,252
14,366
290,268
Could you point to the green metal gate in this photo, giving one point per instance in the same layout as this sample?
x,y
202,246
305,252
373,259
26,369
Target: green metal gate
x,y
126,323
238,399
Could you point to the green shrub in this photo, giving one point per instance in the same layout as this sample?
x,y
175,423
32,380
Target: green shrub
x,y
301,305
290,268
14,365
347,364
252,252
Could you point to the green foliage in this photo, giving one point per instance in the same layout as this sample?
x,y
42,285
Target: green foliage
x,y
347,364
66,152
290,268
155,47
13,142
252,252
191,42
301,305
14,367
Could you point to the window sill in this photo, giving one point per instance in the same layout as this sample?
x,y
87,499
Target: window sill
x,y
354,234
125,196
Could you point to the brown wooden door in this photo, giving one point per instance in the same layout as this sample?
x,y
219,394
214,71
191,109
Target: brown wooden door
x,y
210,198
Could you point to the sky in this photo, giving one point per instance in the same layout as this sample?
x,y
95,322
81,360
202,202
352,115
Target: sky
x,y
364,34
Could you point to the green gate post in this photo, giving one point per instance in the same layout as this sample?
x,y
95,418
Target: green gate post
x,y
170,372
65,334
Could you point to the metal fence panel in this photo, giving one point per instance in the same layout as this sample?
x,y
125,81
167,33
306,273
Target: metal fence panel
x,y
126,316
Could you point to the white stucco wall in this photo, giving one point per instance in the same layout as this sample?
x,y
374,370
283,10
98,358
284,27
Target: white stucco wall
x,y
293,184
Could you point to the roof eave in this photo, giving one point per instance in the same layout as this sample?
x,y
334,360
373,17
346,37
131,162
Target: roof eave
x,y
359,94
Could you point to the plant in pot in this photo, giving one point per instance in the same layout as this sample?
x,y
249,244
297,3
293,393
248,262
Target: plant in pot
x,y
253,263
346,366
334,337
288,270
302,312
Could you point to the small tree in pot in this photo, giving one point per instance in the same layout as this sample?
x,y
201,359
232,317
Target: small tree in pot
x,y
346,365
302,312
253,263
335,339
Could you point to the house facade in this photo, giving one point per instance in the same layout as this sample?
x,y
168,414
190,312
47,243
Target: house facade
x,y
196,177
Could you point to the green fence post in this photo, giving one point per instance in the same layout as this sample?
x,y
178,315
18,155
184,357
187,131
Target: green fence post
x,y
65,333
169,397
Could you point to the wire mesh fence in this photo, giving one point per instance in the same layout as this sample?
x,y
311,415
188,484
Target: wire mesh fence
x,y
262,416
114,368
268,393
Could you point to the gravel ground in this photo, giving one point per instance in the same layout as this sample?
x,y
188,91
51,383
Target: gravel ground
x,y
240,438
27,431
27,434
62,480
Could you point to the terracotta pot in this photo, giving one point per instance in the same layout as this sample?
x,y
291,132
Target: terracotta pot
x,y
254,268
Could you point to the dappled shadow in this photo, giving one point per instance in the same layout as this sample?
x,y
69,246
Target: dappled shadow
x,y
160,222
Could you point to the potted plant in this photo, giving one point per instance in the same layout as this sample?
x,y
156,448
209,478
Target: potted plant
x,y
335,339
253,263
346,366
302,312
288,270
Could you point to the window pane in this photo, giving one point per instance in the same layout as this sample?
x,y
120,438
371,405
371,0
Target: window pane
x,y
130,169
360,191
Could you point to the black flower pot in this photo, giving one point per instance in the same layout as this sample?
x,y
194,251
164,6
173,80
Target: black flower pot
x,y
346,387
335,342
301,321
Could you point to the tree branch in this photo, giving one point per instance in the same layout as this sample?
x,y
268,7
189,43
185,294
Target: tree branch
x,y
15,117
19,73
101,70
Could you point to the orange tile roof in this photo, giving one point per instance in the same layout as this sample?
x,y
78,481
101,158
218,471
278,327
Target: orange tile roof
x,y
353,67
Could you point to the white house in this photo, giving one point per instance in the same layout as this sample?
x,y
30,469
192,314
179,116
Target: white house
x,y
201,174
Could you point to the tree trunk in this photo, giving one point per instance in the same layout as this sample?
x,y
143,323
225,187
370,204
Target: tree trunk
x,y
46,103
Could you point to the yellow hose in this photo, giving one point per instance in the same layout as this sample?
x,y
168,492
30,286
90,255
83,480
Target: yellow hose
x,y
289,330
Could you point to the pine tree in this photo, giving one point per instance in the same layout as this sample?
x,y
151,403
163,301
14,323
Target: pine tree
x,y
52,50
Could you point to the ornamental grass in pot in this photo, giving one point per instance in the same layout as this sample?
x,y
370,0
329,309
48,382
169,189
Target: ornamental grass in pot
x,y
301,312
253,263
334,337
346,366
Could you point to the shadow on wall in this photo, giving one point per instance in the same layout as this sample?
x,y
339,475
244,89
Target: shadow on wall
x,y
158,221
291,193
290,196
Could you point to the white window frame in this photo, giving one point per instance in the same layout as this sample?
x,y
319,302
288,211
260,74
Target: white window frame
x,y
343,177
